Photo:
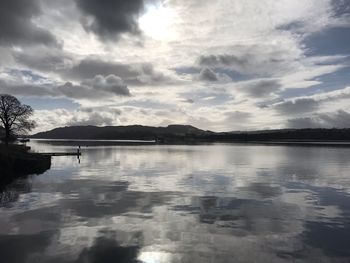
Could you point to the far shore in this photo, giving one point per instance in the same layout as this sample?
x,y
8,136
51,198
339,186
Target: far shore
x,y
98,142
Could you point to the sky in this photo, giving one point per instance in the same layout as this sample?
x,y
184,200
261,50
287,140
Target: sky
x,y
221,65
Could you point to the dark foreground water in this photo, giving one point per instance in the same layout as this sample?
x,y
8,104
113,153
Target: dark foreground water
x,y
209,203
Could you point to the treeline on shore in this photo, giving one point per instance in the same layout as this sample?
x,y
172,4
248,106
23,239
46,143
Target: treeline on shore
x,y
283,135
187,133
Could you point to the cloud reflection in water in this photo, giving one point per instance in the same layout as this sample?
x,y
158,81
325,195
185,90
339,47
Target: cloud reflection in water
x,y
182,204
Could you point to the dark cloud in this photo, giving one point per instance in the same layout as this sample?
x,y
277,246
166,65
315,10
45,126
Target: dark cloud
x,y
339,119
26,83
88,68
45,60
110,18
26,89
261,60
77,92
98,87
148,75
111,83
297,106
17,27
207,74
134,74
94,118
222,60
191,101
262,87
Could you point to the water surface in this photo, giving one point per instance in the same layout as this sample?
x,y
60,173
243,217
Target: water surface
x,y
203,203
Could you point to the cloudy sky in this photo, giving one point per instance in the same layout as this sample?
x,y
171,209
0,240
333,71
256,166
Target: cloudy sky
x,y
220,65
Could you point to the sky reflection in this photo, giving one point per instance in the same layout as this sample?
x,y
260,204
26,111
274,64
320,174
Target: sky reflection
x,y
210,203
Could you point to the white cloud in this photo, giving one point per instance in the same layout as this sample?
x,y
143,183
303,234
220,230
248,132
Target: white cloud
x,y
254,49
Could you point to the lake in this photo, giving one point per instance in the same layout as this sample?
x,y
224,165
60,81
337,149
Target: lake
x,y
181,203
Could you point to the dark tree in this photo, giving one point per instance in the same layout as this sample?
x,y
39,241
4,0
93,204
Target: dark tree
x,y
14,116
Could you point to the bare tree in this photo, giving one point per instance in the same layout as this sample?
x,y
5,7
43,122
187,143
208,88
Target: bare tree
x,y
14,116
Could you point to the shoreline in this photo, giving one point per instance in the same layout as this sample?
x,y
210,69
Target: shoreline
x,y
17,161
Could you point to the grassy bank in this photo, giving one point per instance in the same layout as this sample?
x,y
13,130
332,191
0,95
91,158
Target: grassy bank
x,y
16,161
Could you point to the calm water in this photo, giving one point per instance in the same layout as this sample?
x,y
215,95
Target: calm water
x,y
209,203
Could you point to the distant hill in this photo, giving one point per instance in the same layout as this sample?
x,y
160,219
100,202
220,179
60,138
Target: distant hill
x,y
132,132
188,133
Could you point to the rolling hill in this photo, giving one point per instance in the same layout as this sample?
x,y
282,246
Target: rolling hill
x,y
188,133
132,132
